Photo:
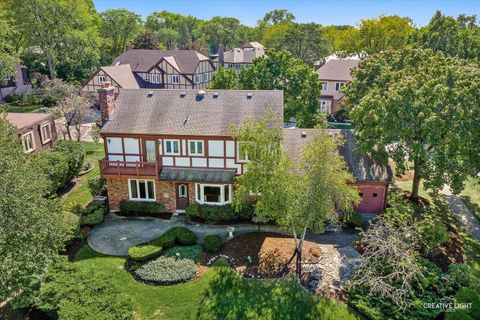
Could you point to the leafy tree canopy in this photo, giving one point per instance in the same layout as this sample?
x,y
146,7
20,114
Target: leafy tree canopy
x,y
146,40
225,79
420,106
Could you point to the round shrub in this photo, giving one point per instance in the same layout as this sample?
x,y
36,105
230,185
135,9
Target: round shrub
x,y
55,166
75,154
212,243
144,252
97,186
183,235
166,271
187,252
221,262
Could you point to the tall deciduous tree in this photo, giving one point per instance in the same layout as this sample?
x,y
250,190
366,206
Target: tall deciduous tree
x,y
277,16
224,79
32,228
65,31
7,55
420,106
299,194
282,71
454,37
146,40
221,30
119,26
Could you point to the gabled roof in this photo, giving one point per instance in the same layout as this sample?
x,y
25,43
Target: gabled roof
x,y
337,69
22,120
122,74
142,60
246,54
361,166
186,112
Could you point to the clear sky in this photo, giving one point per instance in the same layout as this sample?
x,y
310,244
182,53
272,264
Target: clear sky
x,y
325,12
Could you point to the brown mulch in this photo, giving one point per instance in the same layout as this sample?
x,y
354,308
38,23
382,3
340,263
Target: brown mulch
x,y
263,247
28,313
449,252
72,249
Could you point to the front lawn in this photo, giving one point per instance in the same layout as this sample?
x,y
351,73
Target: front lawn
x,y
80,192
213,295
471,196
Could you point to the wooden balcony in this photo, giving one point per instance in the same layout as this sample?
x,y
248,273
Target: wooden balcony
x,y
129,168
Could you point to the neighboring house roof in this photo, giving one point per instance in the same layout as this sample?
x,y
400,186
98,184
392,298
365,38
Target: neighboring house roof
x,y
246,54
185,112
22,120
361,166
337,70
142,60
122,74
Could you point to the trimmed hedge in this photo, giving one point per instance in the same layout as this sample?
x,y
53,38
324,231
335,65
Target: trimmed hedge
x,y
153,248
217,214
212,243
140,208
166,271
186,252
93,214
93,218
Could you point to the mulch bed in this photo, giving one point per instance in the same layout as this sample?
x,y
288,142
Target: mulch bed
x,y
450,252
72,249
266,249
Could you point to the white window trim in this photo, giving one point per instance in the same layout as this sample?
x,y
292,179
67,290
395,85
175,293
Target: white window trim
x,y
206,77
33,142
238,154
171,153
198,78
138,190
339,85
176,76
199,197
47,124
102,79
180,194
325,86
190,153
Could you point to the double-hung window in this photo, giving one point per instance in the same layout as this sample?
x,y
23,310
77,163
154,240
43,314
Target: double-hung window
x,y
172,147
195,148
198,78
28,142
102,79
175,79
215,194
141,190
206,77
339,85
324,86
46,132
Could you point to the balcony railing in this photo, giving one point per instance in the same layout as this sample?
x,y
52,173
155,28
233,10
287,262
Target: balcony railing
x,y
129,168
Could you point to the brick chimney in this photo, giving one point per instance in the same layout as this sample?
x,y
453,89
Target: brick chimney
x,y
221,56
106,100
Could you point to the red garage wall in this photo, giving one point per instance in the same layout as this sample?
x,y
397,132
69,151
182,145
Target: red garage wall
x,y
373,196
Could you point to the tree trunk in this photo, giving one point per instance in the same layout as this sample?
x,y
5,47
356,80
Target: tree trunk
x,y
298,249
67,126
50,66
416,181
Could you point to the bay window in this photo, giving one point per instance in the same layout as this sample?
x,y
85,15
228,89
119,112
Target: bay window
x,y
215,194
141,190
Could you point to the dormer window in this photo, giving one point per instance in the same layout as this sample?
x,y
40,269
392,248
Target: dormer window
x,y
28,142
102,79
46,132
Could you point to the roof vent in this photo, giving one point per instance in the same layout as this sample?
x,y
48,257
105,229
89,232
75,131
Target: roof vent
x,y
150,94
117,63
200,94
215,94
186,119
183,94
249,95
304,134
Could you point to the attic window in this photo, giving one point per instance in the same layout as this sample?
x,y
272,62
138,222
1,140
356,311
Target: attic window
x,y
249,95
150,94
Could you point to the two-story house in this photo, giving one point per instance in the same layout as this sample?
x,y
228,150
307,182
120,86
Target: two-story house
x,y
174,147
239,58
334,74
36,130
155,69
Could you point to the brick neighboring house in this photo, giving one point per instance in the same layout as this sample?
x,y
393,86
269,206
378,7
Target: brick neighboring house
x,y
36,130
334,74
18,84
239,57
155,69
173,146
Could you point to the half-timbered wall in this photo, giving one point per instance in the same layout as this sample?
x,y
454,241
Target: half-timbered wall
x,y
95,82
218,152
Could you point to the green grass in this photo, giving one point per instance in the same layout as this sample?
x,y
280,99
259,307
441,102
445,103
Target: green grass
x,y
80,192
471,196
182,300
407,186
13,107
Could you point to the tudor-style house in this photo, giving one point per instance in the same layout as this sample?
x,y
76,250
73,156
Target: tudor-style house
x,y
155,69
334,74
173,146
36,130
239,58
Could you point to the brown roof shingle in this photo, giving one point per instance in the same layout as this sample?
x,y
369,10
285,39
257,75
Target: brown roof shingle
x,y
184,112
142,60
122,74
337,69
21,120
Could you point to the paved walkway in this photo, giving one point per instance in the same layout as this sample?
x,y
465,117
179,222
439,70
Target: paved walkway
x,y
463,214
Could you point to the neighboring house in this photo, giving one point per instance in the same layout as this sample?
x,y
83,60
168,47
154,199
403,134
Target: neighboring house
x,y
239,57
334,74
174,147
155,69
371,179
36,130
15,85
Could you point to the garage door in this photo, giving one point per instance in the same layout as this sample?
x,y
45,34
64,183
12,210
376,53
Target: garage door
x,y
372,200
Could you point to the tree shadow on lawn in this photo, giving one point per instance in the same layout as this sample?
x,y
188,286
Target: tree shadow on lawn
x,y
229,296
473,207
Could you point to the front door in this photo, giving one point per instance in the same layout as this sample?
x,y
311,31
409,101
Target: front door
x,y
182,195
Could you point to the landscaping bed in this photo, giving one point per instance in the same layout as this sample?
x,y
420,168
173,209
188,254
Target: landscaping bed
x,y
268,253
